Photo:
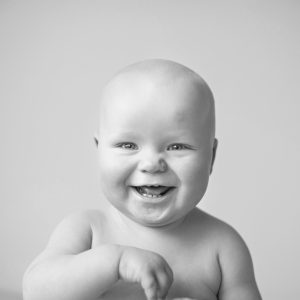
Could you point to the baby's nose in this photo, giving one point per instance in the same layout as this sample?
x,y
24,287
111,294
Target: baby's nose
x,y
153,164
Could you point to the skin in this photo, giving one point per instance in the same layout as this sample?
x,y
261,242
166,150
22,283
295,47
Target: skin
x,y
156,128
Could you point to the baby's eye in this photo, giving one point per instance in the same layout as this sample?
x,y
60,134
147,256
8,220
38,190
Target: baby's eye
x,y
175,147
128,146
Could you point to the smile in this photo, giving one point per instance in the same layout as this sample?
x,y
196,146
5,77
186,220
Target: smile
x,y
153,191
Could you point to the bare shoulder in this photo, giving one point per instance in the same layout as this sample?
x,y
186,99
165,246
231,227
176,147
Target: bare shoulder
x,y
224,236
71,236
238,280
218,232
74,233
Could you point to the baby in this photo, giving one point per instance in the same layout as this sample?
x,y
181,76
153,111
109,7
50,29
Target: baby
x,y
156,145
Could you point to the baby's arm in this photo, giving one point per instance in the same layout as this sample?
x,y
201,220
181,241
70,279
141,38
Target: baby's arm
x,y
69,269
238,281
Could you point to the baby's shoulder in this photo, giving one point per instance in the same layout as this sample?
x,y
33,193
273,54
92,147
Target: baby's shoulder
x,y
233,257
74,233
219,234
232,252
82,220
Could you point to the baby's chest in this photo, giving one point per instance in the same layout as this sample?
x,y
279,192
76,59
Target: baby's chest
x,y
190,280
196,277
195,267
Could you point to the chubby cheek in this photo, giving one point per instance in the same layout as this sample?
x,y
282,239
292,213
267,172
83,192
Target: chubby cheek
x,y
113,173
194,175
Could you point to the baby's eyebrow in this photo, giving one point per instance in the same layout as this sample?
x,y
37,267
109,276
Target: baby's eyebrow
x,y
124,135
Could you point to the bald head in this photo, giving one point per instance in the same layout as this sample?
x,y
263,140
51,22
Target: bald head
x,y
150,79
160,71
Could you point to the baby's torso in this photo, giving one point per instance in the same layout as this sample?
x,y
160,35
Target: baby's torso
x,y
193,261
132,291
187,283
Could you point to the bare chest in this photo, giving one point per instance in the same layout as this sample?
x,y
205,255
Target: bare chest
x,y
195,276
192,259
182,288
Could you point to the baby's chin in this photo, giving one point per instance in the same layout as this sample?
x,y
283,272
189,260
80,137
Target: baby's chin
x,y
155,219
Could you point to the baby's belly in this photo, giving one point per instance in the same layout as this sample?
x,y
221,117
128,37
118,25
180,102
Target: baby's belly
x,y
133,291
126,291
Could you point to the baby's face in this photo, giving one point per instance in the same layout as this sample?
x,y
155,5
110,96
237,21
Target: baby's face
x,y
155,148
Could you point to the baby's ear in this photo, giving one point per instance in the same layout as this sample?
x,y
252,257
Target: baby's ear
x,y
215,146
96,139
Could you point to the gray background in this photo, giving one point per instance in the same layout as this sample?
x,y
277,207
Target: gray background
x,y
55,57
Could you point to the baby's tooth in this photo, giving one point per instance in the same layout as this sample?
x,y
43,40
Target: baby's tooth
x,y
150,195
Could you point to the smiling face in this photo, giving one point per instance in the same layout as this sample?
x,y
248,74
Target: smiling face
x,y
155,146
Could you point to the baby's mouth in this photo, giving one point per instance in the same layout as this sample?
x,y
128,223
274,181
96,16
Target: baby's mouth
x,y
153,191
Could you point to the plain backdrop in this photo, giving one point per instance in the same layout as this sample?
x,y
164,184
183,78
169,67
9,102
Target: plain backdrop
x,y
55,56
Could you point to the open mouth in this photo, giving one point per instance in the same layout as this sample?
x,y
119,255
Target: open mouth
x,y
153,191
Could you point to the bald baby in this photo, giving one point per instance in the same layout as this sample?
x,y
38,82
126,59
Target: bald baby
x,y
148,239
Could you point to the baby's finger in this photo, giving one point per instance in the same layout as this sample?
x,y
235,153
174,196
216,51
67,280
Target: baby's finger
x,y
164,281
150,286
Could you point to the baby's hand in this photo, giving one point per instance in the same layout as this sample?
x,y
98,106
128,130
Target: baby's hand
x,y
147,268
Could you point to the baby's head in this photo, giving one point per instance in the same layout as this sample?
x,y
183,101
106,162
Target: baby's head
x,y
156,141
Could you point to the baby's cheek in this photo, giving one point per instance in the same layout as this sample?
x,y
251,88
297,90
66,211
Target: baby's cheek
x,y
107,162
108,172
114,171
196,177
